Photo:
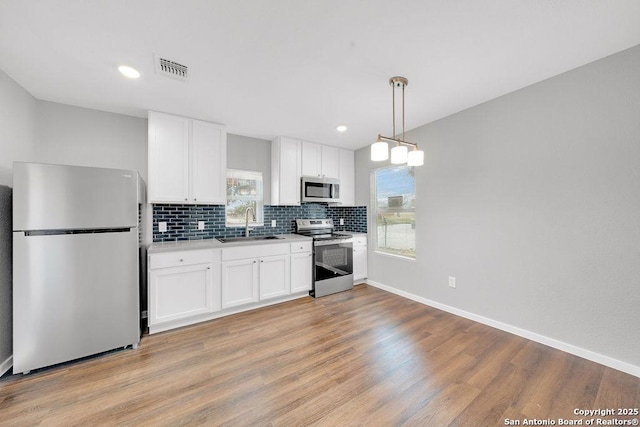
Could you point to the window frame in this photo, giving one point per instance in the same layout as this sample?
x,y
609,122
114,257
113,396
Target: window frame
x,y
245,174
374,213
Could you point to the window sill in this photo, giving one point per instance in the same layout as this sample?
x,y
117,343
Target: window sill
x,y
390,255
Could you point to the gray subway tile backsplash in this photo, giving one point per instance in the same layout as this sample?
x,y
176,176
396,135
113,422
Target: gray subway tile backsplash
x,y
182,220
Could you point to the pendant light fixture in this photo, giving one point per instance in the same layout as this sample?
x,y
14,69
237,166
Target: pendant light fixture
x,y
399,153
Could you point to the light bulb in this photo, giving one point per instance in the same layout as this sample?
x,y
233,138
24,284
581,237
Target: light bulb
x,y
379,151
415,158
399,155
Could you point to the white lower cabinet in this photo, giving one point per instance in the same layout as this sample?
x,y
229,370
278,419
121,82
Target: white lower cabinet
x,y
255,273
255,279
191,286
182,285
301,267
359,257
274,277
180,292
239,282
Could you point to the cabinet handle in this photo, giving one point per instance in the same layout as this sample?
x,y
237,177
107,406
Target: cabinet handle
x,y
254,262
208,268
195,200
181,260
185,200
261,260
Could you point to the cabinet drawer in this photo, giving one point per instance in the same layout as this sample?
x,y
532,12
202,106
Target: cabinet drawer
x,y
254,251
179,258
359,240
300,247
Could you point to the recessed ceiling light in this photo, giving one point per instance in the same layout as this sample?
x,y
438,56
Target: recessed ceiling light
x,y
341,128
129,72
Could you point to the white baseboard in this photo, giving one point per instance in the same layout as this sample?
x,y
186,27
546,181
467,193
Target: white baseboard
x,y
569,348
6,365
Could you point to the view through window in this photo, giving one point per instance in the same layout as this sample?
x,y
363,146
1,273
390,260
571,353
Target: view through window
x,y
395,210
244,190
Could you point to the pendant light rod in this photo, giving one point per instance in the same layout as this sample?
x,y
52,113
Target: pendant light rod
x,y
396,82
399,154
399,141
393,109
403,86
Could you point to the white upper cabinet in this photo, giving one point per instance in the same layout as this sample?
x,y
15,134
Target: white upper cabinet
x,y
320,160
330,167
347,178
168,158
208,163
286,170
291,159
187,160
311,159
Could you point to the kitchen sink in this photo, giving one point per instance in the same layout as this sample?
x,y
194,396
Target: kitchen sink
x,y
247,239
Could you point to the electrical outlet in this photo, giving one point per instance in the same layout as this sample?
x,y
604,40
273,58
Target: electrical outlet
x,y
273,222
452,282
200,225
341,221
162,227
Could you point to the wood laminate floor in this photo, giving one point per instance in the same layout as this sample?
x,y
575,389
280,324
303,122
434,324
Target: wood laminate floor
x,y
362,357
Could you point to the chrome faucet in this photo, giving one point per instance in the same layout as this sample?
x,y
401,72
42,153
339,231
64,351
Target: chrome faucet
x,y
246,220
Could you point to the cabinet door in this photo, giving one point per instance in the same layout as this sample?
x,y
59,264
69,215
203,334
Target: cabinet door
x,y
359,262
311,159
208,163
239,282
347,178
286,172
179,292
330,162
168,158
301,272
274,276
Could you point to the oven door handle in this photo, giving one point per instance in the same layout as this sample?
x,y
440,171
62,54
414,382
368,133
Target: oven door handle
x,y
332,269
348,242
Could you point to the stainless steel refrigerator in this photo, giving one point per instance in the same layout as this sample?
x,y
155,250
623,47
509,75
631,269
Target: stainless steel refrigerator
x,y
75,262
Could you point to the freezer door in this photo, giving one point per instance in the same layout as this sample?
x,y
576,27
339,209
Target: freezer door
x,y
51,197
74,295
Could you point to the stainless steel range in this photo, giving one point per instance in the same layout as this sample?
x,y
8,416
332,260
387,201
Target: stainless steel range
x,y
333,255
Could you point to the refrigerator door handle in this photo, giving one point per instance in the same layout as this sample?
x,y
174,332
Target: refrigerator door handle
x,y
87,231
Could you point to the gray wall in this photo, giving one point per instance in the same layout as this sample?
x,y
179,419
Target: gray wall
x,y
253,154
532,201
80,136
18,140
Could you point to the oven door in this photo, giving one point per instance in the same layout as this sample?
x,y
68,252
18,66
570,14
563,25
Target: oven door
x,y
333,270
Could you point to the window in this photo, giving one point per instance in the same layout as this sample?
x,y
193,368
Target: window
x,y
394,194
244,190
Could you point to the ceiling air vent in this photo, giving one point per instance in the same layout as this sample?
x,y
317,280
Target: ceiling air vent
x,y
172,69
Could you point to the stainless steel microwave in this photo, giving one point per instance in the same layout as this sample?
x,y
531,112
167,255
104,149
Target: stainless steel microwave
x,y
315,189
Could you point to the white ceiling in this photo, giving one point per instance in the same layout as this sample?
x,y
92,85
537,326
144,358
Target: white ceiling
x,y
301,67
